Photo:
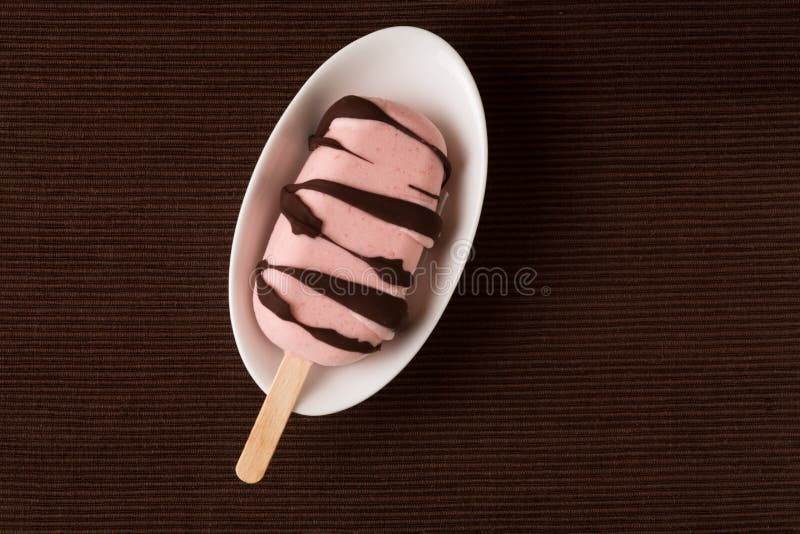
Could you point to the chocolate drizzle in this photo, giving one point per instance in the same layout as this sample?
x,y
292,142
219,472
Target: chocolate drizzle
x,y
374,304
272,301
392,210
389,270
304,222
426,193
320,140
356,107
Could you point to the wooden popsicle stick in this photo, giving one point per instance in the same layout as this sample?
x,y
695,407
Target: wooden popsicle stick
x,y
272,418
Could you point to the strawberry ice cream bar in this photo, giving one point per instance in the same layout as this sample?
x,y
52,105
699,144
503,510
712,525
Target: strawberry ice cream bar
x,y
331,287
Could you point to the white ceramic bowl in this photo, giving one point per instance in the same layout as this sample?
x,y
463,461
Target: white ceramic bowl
x,y
411,66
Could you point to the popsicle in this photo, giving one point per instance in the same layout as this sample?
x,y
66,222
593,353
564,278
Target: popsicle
x,y
331,286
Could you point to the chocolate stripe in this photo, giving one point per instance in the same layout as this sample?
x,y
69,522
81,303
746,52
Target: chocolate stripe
x,y
389,270
356,107
273,302
392,210
426,193
320,140
378,306
304,222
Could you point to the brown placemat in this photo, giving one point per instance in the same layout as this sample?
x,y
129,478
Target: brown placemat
x,y
644,160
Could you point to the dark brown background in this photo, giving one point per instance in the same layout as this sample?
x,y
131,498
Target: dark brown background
x,y
643,160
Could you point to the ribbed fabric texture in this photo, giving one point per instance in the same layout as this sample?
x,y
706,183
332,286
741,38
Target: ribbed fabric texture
x,y
643,160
